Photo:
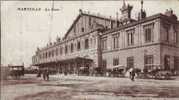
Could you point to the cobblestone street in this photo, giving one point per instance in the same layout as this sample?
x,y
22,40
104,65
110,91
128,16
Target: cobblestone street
x,y
89,88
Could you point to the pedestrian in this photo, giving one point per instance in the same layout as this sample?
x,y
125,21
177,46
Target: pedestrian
x,y
132,74
47,74
44,74
39,73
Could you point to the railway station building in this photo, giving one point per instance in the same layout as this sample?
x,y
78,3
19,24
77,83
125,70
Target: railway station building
x,y
94,41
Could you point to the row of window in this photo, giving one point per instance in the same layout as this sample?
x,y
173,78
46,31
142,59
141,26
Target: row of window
x,y
148,33
148,62
167,28
68,49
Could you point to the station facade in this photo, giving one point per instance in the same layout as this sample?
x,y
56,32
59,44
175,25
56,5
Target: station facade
x,y
94,41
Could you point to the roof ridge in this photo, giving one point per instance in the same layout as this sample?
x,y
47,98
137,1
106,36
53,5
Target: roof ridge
x,y
98,15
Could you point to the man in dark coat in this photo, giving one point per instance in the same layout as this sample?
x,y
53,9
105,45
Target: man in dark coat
x,y
132,73
44,74
47,74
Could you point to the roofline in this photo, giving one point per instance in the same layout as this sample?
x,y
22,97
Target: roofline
x,y
63,41
159,15
92,15
74,22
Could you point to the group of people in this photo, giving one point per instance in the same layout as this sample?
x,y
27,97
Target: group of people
x,y
45,73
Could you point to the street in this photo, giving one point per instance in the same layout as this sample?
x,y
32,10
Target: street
x,y
73,87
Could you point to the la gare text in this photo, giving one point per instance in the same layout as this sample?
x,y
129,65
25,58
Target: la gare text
x,y
38,9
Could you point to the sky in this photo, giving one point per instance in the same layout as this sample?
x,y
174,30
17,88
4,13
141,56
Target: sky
x,y
23,31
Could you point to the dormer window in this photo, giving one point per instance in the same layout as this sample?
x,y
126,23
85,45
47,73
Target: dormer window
x,y
89,21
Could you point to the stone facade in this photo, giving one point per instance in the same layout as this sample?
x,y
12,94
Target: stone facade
x,y
104,43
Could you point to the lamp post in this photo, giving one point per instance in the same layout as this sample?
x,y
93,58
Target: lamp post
x,y
145,68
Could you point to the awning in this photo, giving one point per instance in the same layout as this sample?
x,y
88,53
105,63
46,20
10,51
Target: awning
x,y
75,59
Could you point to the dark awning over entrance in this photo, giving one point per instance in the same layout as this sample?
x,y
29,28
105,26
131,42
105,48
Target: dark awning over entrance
x,y
76,59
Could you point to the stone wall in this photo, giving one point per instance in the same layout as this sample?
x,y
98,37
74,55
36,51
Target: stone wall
x,y
138,54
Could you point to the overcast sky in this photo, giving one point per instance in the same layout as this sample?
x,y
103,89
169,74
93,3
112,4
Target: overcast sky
x,y
23,31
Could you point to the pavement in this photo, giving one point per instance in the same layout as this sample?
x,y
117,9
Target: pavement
x,y
72,87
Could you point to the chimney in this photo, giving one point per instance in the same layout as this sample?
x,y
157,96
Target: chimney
x,y
169,12
111,22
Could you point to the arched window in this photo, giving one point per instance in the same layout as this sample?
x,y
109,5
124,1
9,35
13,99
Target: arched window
x,y
78,45
66,49
71,47
86,43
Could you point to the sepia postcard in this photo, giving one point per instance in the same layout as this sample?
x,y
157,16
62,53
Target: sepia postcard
x,y
89,50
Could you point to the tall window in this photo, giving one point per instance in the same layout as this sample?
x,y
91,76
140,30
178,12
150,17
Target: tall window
x,y
49,54
148,61
111,24
130,37
148,32
56,51
130,62
52,53
175,36
115,61
115,41
86,43
82,29
104,43
167,62
104,63
71,47
176,62
66,49
118,23
166,27
46,54
78,45
61,50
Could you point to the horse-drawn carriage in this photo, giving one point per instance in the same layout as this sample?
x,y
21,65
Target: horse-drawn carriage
x,y
115,71
156,72
16,71
84,71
